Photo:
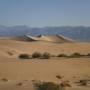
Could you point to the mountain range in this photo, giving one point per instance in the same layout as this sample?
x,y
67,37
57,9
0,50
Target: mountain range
x,y
79,33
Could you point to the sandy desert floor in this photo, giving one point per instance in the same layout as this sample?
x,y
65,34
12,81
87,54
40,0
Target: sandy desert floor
x,y
14,71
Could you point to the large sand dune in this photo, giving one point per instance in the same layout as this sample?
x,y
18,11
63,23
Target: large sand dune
x,y
48,38
23,71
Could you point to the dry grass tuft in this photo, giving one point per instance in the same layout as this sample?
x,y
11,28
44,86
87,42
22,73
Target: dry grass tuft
x,y
59,77
5,79
19,84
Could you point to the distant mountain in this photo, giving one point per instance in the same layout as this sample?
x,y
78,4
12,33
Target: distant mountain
x,y
79,33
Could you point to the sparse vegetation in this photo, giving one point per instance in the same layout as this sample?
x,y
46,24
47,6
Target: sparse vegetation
x,y
62,55
76,55
65,84
4,79
83,82
88,54
48,86
59,77
24,56
46,55
36,55
19,84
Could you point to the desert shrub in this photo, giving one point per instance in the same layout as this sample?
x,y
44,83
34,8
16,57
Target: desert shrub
x,y
46,55
76,55
36,55
5,79
48,86
83,82
59,77
19,84
24,56
88,54
62,55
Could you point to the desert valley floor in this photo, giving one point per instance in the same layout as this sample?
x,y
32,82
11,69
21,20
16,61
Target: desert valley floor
x,y
14,70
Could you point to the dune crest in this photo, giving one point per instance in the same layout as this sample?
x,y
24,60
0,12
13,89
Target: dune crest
x,y
48,38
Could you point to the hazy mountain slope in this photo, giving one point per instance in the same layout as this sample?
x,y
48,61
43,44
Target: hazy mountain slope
x,y
80,33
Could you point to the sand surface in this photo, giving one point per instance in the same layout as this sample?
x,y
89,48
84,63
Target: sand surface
x,y
17,71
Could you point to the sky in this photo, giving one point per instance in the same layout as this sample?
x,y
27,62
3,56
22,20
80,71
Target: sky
x,y
41,13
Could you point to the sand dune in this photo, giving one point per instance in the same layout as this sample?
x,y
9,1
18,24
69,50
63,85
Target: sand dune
x,y
49,38
56,38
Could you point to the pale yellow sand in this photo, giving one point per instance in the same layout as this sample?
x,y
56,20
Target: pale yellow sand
x,y
16,70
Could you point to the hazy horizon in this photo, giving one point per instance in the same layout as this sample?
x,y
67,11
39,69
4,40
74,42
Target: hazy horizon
x,y
42,26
